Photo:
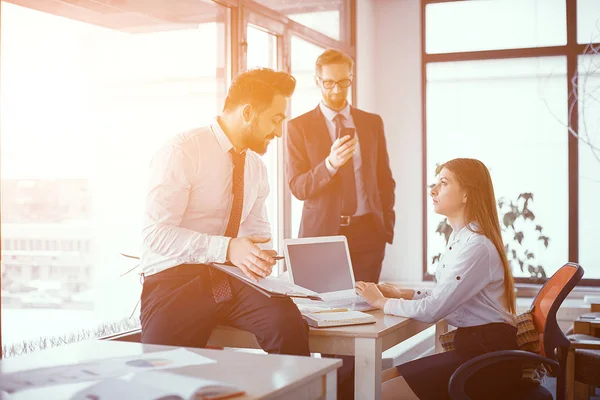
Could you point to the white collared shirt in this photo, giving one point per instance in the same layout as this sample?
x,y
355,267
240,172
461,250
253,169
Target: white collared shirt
x,y
470,288
189,200
362,202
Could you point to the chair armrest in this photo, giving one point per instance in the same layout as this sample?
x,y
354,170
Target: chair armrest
x,y
456,386
585,344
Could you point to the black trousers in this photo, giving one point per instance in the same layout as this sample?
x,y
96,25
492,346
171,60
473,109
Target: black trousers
x,y
428,377
367,249
177,308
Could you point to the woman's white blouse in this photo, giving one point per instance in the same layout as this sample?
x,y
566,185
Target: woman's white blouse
x,y
469,290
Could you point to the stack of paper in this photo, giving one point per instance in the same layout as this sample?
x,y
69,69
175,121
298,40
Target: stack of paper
x,y
339,318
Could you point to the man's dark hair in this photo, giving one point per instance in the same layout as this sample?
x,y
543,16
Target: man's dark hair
x,y
258,87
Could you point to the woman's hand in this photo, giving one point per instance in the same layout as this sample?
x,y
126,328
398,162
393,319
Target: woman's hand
x,y
391,291
371,293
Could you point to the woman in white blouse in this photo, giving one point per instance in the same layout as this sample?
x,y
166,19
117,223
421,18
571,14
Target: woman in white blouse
x,y
474,291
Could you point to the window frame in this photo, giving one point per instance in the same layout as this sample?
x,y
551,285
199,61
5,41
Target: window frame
x,y
571,51
241,12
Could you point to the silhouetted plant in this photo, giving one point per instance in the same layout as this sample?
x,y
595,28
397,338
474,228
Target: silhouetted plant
x,y
516,218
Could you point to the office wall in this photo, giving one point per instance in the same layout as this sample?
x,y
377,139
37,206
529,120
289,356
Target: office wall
x,y
389,83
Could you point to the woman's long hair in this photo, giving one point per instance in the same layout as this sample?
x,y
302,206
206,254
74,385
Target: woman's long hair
x,y
473,177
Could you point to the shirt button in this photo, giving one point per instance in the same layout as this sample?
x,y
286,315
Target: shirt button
x,y
450,248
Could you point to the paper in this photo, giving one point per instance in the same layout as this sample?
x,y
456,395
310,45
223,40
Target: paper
x,y
157,385
99,369
269,283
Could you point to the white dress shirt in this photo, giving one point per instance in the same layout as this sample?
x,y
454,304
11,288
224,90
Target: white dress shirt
x,y
189,200
362,202
470,288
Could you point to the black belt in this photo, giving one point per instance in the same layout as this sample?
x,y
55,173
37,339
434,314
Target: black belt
x,y
347,220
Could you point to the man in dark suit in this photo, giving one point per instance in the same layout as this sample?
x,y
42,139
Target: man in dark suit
x,y
337,163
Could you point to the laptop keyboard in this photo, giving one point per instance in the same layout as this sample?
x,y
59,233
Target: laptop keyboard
x,y
351,303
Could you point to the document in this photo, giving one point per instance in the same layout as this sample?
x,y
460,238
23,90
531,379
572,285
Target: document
x,y
158,386
99,369
269,286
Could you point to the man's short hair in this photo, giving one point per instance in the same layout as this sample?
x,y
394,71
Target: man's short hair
x,y
332,56
258,87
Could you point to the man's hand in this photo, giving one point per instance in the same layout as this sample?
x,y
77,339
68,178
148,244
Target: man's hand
x,y
342,150
251,259
395,292
371,294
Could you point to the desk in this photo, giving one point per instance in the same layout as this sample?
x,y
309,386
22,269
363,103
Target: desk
x,y
261,376
588,324
365,342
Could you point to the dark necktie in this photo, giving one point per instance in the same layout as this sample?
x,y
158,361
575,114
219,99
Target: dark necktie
x,y
346,172
220,283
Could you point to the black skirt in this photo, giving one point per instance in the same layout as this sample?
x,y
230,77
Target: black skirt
x,y
428,376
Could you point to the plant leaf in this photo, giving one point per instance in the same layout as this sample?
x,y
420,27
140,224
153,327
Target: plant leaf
x,y
519,237
538,228
509,219
528,214
545,239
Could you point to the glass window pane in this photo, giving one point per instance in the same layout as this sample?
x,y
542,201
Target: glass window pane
x,y
306,97
588,21
83,109
262,52
327,22
323,16
482,25
589,164
510,115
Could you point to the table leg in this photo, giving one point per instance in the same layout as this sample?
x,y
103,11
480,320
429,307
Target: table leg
x,y
331,385
367,370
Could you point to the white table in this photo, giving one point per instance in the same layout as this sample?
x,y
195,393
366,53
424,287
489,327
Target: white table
x,y
365,342
261,376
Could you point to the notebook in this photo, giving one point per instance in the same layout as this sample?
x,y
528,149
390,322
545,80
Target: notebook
x,y
343,318
323,265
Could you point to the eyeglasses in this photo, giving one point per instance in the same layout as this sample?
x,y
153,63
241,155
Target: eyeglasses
x,y
344,83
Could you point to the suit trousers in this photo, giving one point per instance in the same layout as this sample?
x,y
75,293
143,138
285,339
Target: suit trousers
x,y
367,249
178,309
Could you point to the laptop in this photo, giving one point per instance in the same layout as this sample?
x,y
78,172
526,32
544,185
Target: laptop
x,y
323,265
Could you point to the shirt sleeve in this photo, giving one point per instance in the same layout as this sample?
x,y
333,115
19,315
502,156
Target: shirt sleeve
x,y
470,274
171,176
420,293
257,221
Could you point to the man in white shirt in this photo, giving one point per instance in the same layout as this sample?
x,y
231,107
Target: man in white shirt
x,y
206,203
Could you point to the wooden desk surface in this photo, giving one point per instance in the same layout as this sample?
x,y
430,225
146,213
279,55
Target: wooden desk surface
x,y
384,324
261,376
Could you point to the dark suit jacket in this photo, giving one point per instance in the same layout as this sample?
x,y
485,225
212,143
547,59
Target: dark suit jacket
x,y
307,146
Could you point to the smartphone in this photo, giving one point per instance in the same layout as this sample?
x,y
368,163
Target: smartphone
x,y
347,131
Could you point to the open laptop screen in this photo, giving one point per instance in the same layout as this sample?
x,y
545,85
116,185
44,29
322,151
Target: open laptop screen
x,y
320,267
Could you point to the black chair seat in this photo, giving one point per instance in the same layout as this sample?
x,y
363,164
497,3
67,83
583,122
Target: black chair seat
x,y
526,391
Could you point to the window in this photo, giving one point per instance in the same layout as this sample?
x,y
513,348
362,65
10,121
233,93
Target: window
x,y
588,21
84,108
323,16
494,24
473,110
513,109
306,97
262,52
589,164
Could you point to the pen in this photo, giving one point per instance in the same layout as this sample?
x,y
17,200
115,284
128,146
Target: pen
x,y
331,310
278,257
